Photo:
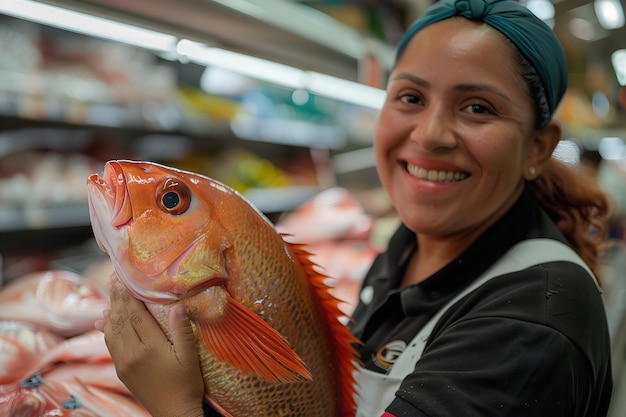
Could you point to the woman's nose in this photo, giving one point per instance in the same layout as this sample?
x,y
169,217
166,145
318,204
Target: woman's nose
x,y
433,129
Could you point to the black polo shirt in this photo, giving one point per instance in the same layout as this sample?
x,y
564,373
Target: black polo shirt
x,y
529,343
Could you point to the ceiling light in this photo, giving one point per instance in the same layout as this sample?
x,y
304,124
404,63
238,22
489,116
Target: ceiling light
x,y
610,13
257,68
543,9
612,148
345,90
87,24
283,75
618,58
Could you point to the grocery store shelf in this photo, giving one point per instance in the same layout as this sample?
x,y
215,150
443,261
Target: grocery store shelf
x,y
276,30
69,215
277,200
25,217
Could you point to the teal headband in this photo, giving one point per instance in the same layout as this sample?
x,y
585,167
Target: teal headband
x,y
534,39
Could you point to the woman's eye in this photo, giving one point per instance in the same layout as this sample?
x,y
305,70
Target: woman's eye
x,y
410,98
479,109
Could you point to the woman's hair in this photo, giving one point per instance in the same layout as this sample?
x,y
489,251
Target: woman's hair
x,y
535,88
580,209
570,196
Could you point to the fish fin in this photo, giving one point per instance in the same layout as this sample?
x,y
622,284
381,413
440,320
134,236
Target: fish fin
x,y
243,340
346,357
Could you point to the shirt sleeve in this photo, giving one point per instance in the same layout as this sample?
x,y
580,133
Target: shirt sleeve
x,y
496,366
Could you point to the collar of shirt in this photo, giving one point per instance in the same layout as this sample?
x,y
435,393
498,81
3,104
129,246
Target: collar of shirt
x,y
424,299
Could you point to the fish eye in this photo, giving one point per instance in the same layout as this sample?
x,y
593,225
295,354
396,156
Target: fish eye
x,y
170,200
173,197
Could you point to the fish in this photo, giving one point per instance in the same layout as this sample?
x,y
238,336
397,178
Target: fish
x,y
332,214
269,337
44,375
19,401
21,345
100,402
96,374
59,300
88,347
337,230
42,397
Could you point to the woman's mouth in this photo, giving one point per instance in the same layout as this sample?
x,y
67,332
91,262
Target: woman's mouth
x,y
436,175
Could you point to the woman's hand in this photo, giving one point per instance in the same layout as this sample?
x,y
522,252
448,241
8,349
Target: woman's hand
x,y
166,378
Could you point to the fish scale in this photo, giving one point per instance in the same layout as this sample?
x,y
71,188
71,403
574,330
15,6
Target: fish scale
x,y
269,337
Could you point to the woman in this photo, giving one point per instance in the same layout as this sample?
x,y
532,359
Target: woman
x,y
478,307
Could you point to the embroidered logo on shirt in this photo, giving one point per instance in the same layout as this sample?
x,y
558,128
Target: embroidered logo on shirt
x,y
389,353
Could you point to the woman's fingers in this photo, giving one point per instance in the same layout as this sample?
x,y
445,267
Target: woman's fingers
x,y
183,337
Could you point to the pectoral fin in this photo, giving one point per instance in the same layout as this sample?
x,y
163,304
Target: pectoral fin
x,y
243,340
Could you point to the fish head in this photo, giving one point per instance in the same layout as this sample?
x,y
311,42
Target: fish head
x,y
160,228
63,291
71,302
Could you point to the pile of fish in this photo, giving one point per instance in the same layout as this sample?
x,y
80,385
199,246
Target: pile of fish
x,y
337,231
52,361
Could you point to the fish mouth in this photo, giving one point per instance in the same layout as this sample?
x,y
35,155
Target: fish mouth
x,y
112,185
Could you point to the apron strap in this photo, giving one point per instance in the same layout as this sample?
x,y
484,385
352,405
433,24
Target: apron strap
x,y
525,254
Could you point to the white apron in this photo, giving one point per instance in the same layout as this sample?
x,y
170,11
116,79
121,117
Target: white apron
x,y
376,391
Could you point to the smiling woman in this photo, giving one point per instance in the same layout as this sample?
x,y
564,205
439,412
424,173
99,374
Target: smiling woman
x,y
464,144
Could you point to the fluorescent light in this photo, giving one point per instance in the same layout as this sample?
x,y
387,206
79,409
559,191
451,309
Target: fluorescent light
x,y
283,75
345,90
618,58
243,64
610,13
612,148
87,24
543,9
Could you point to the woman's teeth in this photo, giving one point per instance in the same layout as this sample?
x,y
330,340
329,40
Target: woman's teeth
x,y
435,175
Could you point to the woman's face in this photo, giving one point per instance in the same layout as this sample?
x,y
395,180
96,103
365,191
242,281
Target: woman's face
x,y
456,127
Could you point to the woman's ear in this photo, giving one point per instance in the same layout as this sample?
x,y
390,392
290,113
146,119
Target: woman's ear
x,y
544,141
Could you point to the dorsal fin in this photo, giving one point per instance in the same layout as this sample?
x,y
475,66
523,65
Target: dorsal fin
x,y
345,355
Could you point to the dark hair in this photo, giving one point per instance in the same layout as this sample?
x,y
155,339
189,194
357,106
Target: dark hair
x,y
577,205
535,88
570,196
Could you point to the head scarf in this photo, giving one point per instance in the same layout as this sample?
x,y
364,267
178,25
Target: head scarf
x,y
534,39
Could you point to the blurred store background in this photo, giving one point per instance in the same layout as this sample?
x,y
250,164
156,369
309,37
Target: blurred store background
x,y
276,98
